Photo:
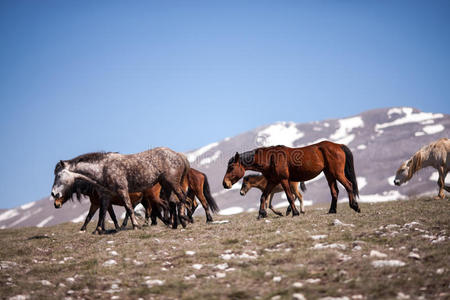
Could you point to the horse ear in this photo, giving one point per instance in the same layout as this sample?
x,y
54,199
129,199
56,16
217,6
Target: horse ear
x,y
62,163
236,157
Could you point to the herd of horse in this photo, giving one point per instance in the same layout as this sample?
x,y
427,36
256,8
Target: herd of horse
x,y
167,187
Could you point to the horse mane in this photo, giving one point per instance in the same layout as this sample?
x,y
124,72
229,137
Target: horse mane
x,y
415,163
88,157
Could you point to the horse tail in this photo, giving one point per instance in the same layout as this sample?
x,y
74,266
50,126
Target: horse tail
x,y
209,198
303,186
350,170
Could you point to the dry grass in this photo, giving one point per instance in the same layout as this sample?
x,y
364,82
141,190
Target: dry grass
x,y
282,249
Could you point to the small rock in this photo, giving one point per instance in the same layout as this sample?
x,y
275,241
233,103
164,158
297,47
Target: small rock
x,y
313,280
197,266
152,282
277,279
109,263
277,297
297,285
46,282
387,263
414,255
402,296
220,275
440,271
190,253
357,297
70,279
222,266
336,222
375,253
190,277
319,236
113,253
298,296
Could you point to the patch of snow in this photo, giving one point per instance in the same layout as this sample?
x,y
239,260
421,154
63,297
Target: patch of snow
x,y
281,133
375,253
45,221
231,211
335,298
342,135
320,176
236,186
432,129
229,255
80,218
361,147
221,275
387,263
326,124
440,271
435,176
197,266
286,203
362,182
385,196
317,128
391,180
192,156
212,158
318,237
19,297
409,117
113,253
343,257
8,214
419,133
190,253
223,266
28,205
297,285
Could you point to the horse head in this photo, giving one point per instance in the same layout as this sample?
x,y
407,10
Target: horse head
x,y
402,174
245,186
62,185
235,171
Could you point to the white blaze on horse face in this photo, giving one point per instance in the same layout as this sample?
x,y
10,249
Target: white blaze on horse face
x,y
63,180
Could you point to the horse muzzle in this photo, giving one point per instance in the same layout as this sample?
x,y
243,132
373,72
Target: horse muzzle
x,y
58,203
227,184
397,182
243,193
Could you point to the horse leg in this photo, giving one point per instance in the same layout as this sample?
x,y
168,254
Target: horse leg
x,y
104,203
205,205
123,193
113,217
269,200
441,183
294,189
334,192
349,188
190,198
262,202
89,216
290,196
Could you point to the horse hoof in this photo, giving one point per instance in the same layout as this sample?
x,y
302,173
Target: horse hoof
x,y
295,213
332,211
302,212
262,214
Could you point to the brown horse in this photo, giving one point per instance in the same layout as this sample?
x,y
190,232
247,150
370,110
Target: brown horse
x,y
198,186
260,182
280,164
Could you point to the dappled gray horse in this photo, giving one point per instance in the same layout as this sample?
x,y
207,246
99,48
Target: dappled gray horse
x,y
117,174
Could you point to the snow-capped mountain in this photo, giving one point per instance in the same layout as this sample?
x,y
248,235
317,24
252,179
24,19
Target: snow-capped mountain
x,y
379,139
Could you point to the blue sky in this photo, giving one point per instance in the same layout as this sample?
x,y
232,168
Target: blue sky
x,y
81,76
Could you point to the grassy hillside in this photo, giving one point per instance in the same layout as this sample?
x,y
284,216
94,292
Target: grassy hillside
x,y
245,258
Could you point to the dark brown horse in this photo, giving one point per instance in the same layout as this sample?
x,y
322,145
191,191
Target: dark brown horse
x,y
198,186
260,182
280,164
149,199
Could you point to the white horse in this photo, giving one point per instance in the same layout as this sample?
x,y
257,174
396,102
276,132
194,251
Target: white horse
x,y
436,155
